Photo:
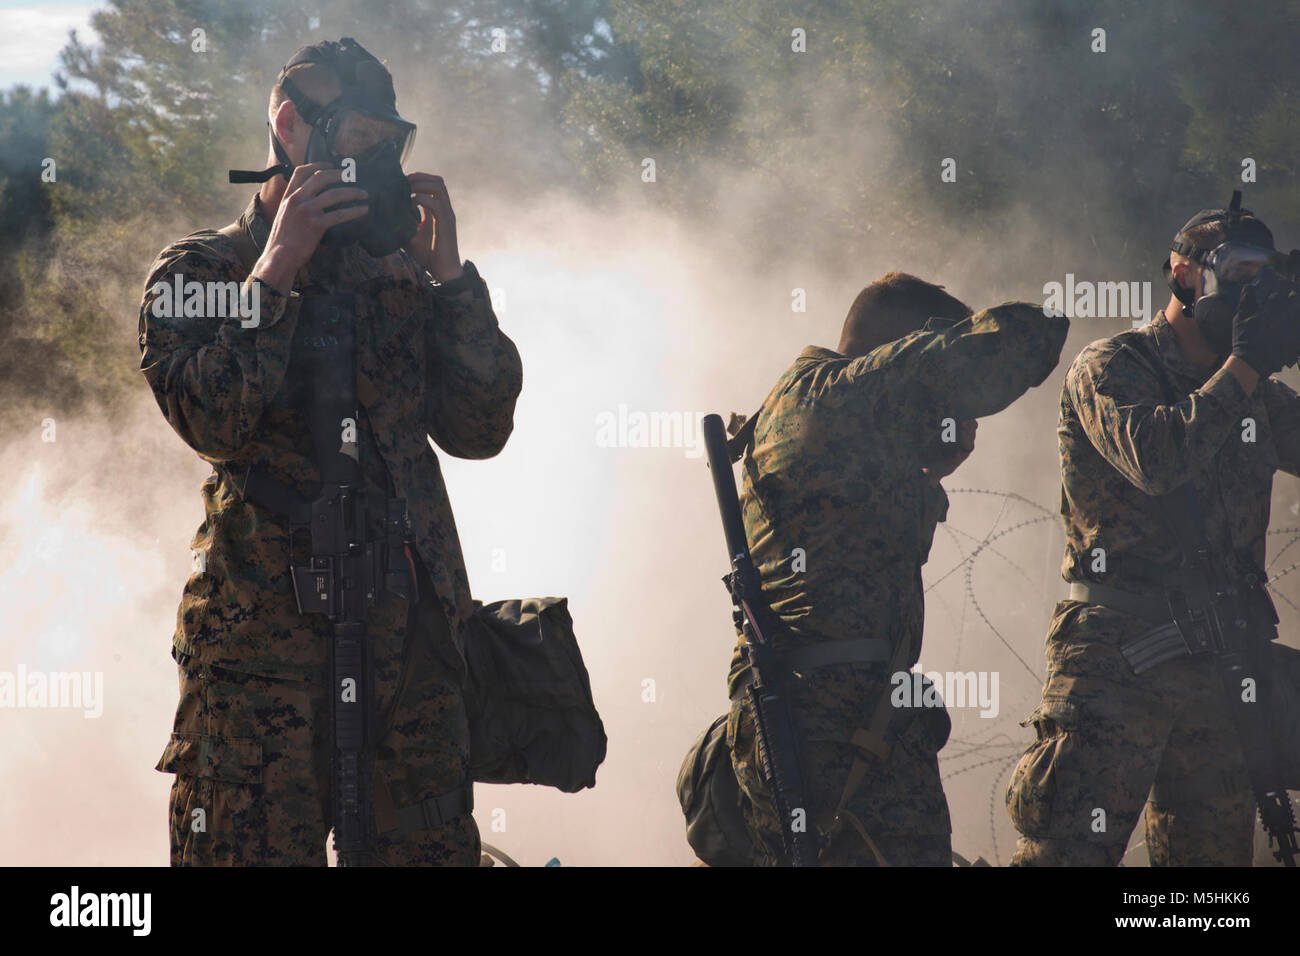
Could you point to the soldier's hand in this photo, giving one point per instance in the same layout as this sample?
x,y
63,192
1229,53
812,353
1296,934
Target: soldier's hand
x,y
434,244
306,211
1266,328
957,453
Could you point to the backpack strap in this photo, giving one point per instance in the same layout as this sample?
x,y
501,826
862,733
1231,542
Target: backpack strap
x,y
871,741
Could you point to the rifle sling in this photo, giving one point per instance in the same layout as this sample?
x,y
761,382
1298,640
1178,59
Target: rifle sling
x,y
275,496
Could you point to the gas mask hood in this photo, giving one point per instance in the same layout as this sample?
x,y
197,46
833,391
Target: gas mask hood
x,y
361,132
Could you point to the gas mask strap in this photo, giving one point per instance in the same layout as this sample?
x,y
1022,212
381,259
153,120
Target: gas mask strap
x,y
308,110
1183,294
310,113
283,168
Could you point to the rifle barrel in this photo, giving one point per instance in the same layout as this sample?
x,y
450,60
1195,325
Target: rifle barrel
x,y
724,484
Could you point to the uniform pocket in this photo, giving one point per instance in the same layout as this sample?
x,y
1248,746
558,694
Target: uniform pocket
x,y
1035,783
228,759
216,812
926,732
923,728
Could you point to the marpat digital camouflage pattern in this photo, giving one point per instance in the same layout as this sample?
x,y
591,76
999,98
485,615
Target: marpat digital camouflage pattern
x,y
252,759
428,364
839,446
1111,741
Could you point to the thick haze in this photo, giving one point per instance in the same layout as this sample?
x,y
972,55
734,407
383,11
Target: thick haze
x,y
611,303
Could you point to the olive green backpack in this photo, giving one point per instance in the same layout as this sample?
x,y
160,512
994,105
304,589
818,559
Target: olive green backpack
x,y
532,718
712,801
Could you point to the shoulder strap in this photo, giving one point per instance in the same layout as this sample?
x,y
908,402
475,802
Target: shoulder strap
x,y
742,434
245,247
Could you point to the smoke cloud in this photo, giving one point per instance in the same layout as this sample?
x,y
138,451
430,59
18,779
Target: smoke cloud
x,y
613,301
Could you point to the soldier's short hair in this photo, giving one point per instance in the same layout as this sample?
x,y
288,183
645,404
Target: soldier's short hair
x,y
1207,235
316,80
895,305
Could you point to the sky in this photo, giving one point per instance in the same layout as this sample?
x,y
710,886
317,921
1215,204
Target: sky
x,y
31,35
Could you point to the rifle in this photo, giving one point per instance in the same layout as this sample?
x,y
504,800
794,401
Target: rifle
x,y
774,733
343,573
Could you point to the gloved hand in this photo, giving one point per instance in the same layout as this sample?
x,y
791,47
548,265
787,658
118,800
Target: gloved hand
x,y
1266,328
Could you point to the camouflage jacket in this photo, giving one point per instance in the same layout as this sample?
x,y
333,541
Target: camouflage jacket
x,y
429,364
1121,443
837,512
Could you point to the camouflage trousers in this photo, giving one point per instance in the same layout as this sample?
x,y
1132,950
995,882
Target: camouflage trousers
x,y
1111,742
251,757
900,803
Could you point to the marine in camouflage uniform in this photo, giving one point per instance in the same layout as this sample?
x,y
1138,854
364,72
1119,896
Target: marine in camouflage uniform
x,y
840,517
1111,741
252,738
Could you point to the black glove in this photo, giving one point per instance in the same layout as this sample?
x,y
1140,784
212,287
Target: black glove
x,y
1266,328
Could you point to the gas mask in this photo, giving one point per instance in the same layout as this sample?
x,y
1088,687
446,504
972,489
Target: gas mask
x,y
392,219
1225,270
361,133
